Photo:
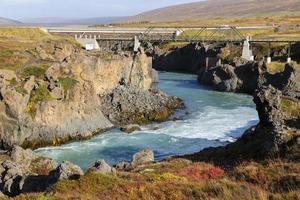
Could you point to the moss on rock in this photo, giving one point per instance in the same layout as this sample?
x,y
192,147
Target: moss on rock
x,y
291,106
40,94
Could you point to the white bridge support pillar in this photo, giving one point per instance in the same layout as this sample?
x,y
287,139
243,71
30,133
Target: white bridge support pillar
x,y
269,60
247,52
88,42
137,44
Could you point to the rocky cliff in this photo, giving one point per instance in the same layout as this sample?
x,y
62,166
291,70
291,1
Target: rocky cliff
x,y
246,77
56,96
276,136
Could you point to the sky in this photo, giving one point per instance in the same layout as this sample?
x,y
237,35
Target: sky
x,y
27,9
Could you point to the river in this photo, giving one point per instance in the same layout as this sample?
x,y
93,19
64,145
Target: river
x,y
211,119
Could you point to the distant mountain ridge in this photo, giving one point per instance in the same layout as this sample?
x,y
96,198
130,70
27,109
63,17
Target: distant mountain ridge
x,y
54,21
218,8
8,22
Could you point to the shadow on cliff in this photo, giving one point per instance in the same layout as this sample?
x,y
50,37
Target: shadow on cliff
x,y
187,59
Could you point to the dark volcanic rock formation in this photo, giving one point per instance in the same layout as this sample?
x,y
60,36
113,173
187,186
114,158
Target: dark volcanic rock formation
x,y
125,105
273,137
189,58
246,77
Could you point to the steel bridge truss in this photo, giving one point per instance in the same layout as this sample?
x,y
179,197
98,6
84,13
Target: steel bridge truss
x,y
219,33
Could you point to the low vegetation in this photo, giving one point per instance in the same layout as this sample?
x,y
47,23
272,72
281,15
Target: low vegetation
x,y
291,106
68,83
17,45
171,45
37,71
179,179
40,94
21,90
275,67
24,33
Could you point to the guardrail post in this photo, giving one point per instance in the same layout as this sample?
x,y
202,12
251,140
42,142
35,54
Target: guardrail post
x,y
137,44
269,59
289,59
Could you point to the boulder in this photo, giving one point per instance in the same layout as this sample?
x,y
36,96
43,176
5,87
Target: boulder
x,y
143,157
131,128
123,165
43,166
22,156
7,75
53,72
102,167
57,93
67,171
12,178
29,84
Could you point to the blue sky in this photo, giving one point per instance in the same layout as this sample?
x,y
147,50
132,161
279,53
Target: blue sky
x,y
25,9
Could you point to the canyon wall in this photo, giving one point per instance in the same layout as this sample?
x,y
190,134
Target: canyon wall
x,y
57,98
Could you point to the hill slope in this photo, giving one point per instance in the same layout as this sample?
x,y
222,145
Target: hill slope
x,y
52,21
5,22
215,8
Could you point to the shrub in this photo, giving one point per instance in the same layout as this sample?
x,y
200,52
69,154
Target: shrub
x,y
198,172
13,82
291,106
67,83
40,94
21,90
166,177
275,67
37,71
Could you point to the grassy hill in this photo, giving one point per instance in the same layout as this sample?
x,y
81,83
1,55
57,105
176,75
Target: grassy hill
x,y
218,8
8,22
56,21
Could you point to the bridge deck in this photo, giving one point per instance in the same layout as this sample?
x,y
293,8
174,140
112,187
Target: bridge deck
x,y
203,40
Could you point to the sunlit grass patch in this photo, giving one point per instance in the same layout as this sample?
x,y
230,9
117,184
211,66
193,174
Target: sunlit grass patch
x,y
273,176
25,33
40,94
68,83
171,45
37,71
275,67
291,106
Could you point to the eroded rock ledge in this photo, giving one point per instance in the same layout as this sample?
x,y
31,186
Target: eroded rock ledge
x,y
246,77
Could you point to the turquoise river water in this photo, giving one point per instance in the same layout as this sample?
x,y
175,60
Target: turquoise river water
x,y
211,119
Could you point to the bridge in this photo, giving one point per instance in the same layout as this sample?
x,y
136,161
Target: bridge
x,y
93,38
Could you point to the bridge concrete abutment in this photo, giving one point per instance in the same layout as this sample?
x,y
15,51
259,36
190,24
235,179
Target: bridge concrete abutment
x,y
88,43
137,44
247,52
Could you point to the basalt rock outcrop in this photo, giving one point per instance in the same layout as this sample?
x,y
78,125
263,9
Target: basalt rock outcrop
x,y
67,171
102,167
126,105
188,58
246,77
274,137
24,171
57,97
